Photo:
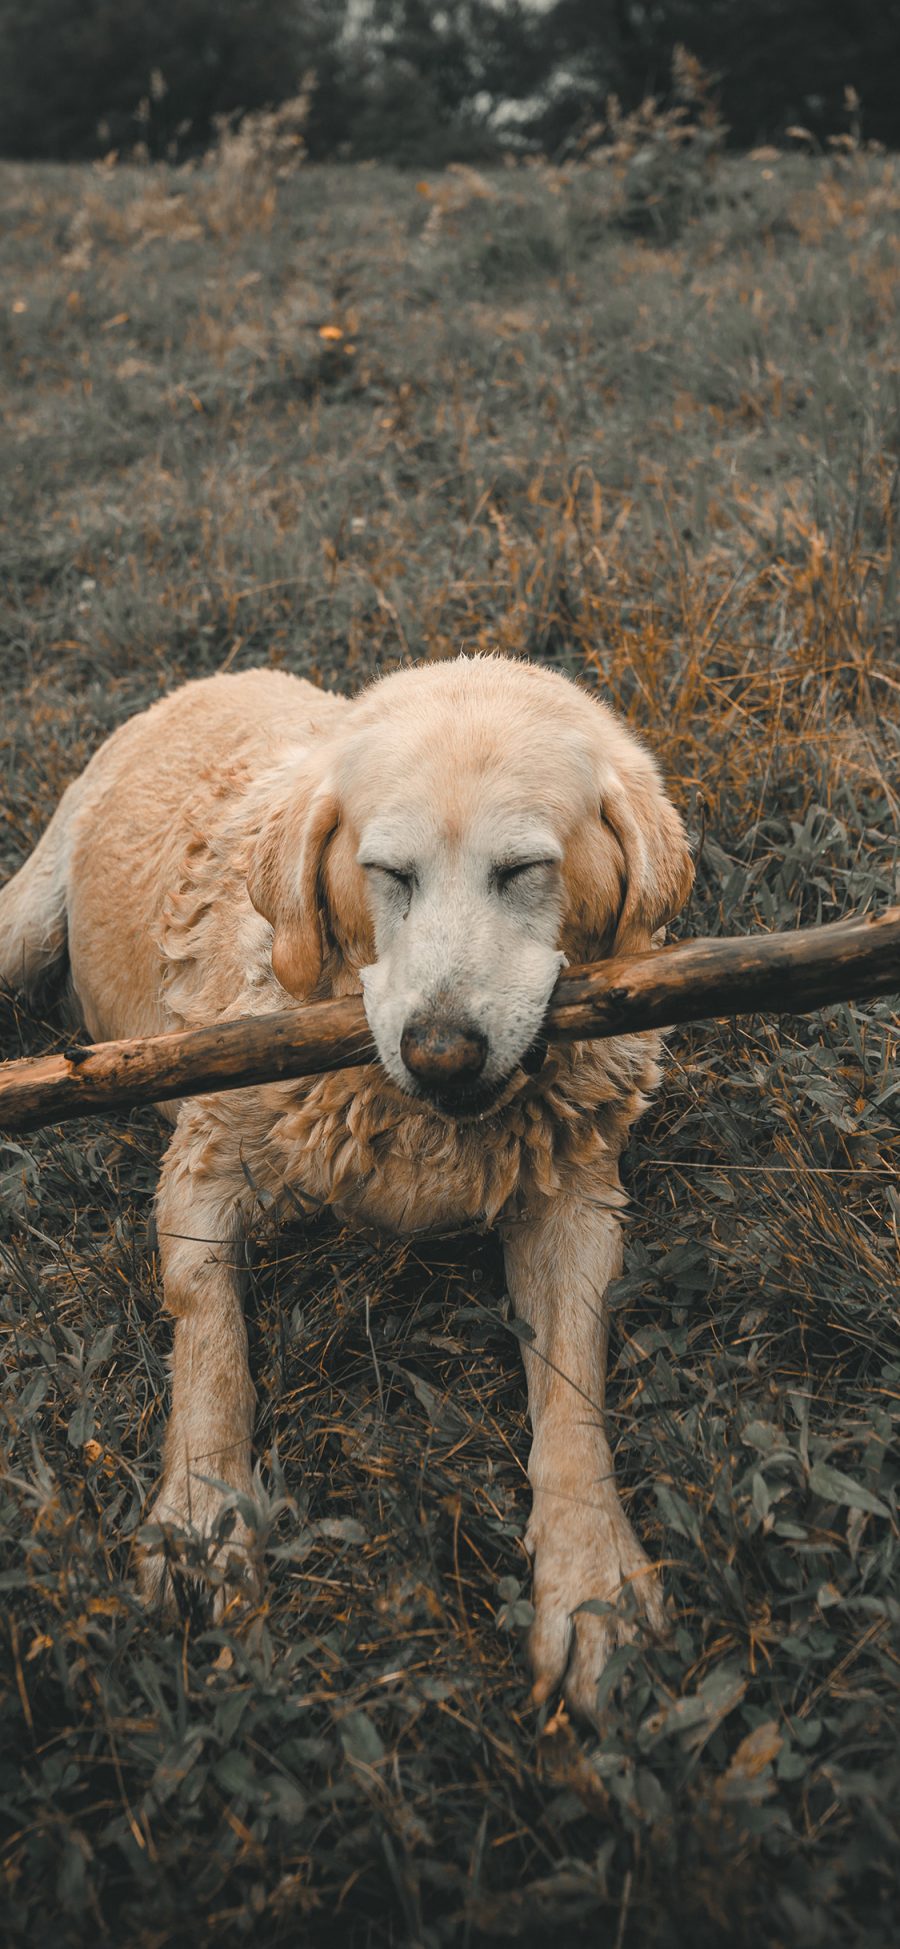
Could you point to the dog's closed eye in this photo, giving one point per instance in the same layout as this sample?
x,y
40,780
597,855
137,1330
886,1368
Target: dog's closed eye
x,y
398,882
402,876
506,874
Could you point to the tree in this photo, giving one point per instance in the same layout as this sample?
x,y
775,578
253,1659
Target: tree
x,y
69,66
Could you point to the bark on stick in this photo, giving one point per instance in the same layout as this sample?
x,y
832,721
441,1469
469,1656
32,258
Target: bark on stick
x,y
690,982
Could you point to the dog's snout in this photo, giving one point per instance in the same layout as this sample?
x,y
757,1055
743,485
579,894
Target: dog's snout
x,y
444,1055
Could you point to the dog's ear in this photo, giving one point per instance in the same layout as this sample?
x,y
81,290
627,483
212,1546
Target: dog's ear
x,y
659,871
347,904
627,869
594,879
284,883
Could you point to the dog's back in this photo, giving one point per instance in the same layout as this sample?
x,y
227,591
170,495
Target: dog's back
x,y
96,884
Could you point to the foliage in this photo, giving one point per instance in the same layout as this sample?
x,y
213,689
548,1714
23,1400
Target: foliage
x,y
81,77
353,420
421,85
662,159
777,64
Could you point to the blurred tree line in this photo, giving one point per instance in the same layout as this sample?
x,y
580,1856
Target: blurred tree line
x,y
421,83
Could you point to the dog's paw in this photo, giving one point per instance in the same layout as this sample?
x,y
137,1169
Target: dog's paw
x,y
593,1583
203,1556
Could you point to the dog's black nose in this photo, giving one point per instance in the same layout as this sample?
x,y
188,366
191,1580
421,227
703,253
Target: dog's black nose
x,y
445,1056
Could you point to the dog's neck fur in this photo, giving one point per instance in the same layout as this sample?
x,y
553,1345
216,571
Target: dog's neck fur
x,y
353,1141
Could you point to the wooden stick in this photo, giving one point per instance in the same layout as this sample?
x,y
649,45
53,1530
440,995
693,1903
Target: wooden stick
x,y
690,982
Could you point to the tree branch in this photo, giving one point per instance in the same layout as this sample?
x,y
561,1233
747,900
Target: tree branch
x,y
690,982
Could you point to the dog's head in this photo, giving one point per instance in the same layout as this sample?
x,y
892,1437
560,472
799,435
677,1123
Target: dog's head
x,y
474,825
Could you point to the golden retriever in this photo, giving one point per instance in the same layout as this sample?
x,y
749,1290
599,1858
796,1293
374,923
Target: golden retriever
x,y
443,842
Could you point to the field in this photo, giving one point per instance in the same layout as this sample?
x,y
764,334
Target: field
x,y
332,422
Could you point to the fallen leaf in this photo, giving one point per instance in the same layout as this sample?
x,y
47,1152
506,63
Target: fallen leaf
x,y
744,1776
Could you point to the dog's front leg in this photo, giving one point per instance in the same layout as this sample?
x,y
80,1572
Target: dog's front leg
x,y
202,1206
559,1261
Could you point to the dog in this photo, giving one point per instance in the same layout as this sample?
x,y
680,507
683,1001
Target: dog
x,y
443,843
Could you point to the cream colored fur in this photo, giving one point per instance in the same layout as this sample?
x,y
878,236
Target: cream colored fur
x,y
236,845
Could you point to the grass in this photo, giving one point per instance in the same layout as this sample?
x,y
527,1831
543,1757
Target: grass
x,y
333,422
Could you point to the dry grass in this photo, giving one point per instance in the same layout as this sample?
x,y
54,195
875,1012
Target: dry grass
x,y
306,422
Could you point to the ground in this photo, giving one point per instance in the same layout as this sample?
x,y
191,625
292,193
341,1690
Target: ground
x,y
332,421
